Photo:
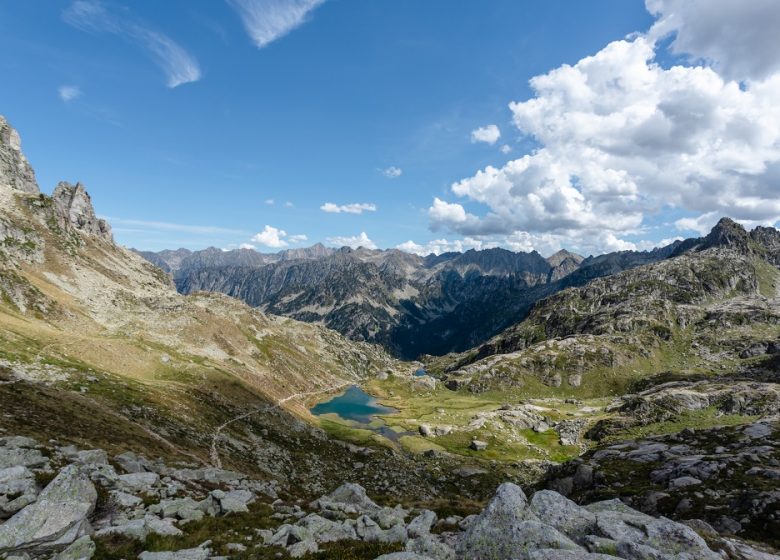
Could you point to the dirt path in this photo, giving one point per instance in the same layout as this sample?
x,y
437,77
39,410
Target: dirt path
x,y
214,454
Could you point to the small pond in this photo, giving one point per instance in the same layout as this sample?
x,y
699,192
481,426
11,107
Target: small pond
x,y
420,373
356,405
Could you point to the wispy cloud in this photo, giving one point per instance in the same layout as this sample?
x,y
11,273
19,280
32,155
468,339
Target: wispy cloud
x,y
268,20
145,225
355,208
68,93
391,172
92,16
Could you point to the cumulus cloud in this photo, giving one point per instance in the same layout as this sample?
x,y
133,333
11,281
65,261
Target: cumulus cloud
x,y
248,246
92,16
270,201
276,238
353,241
738,38
619,135
391,172
488,134
268,20
355,208
505,149
68,93
439,246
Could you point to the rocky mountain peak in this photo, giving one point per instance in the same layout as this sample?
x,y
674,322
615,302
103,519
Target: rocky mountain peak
x,y
563,255
727,233
15,171
73,206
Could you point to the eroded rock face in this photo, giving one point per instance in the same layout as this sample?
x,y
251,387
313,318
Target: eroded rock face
x,y
15,170
74,207
57,518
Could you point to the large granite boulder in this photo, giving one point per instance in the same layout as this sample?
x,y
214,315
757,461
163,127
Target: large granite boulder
x,y
56,519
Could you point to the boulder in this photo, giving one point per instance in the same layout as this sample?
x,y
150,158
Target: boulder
x,y
236,501
81,549
349,498
139,482
302,548
182,508
92,457
388,517
20,456
132,463
431,546
203,552
500,529
125,500
553,509
141,528
57,518
478,445
421,525
324,530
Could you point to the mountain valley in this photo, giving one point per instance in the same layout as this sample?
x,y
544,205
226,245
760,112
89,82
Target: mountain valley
x,y
157,405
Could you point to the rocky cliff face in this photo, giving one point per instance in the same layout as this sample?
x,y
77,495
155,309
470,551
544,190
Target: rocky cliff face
x,y
73,206
15,170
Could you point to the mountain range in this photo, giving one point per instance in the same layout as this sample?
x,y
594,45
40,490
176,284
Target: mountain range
x,y
409,304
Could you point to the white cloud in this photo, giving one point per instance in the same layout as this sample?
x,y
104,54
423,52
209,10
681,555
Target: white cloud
x,y
391,172
355,208
288,204
247,246
506,148
439,246
738,38
269,201
68,93
93,17
488,134
701,224
354,241
268,20
618,135
276,238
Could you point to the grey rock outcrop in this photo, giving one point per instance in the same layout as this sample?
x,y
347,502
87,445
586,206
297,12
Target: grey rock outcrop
x,y
202,552
15,170
73,207
57,518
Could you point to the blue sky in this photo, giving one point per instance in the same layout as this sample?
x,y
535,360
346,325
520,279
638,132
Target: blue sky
x,y
193,127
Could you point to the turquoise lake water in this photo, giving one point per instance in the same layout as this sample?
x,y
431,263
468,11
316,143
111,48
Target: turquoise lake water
x,y
353,404
357,405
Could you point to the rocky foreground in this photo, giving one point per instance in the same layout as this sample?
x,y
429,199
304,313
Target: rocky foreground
x,y
68,504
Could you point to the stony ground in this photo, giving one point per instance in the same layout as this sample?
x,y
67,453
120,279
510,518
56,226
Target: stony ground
x,y
63,503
